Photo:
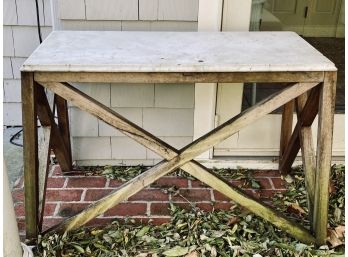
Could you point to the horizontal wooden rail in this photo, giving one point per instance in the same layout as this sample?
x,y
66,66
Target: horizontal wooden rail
x,y
180,77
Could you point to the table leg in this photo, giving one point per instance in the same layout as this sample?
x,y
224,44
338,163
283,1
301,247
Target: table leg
x,y
308,156
30,154
324,148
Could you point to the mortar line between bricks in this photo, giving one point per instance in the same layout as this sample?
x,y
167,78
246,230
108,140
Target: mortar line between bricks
x,y
65,183
189,183
148,209
83,195
107,183
212,196
271,182
56,210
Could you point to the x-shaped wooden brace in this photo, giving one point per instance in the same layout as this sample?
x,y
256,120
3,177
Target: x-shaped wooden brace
x,y
182,158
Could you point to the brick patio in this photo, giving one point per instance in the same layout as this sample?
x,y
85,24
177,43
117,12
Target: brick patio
x,y
67,195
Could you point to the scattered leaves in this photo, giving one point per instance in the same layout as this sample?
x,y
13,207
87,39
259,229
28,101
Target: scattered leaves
x,y
193,233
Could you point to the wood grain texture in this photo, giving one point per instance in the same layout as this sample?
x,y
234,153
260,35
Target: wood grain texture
x,y
180,77
286,127
63,122
47,119
44,160
151,142
306,119
324,151
308,156
30,155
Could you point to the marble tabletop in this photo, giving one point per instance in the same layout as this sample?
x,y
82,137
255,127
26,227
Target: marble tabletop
x,y
112,51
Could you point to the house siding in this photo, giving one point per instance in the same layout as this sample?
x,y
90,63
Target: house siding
x,y
20,39
165,110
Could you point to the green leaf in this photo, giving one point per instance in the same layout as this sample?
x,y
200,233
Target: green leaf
x,y
142,231
176,251
78,248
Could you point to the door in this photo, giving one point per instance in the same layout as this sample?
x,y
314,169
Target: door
x,y
322,18
290,13
311,18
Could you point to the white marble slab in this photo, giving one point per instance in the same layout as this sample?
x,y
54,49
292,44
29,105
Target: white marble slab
x,y
111,51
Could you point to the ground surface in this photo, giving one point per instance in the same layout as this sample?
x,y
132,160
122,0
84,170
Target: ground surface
x,y
13,155
71,193
193,232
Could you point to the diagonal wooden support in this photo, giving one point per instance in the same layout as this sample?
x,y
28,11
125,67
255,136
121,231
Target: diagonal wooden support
x,y
44,159
63,122
306,118
143,137
308,156
47,120
286,127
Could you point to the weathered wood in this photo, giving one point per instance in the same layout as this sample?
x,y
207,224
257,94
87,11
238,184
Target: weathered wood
x,y
308,156
63,122
306,118
180,77
286,127
324,150
47,119
44,160
30,154
194,149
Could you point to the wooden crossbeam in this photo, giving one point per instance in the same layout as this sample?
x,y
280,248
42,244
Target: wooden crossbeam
x,y
305,119
95,108
180,77
47,120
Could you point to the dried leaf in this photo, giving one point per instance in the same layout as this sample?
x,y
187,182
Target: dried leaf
x,y
192,254
233,220
295,209
333,238
176,251
340,231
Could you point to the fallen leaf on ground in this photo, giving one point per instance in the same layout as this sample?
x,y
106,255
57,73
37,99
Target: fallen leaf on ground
x,y
192,254
295,209
233,221
333,238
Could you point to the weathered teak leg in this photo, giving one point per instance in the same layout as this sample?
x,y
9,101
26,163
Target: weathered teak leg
x,y
178,158
63,124
308,155
308,115
286,128
30,154
47,119
324,148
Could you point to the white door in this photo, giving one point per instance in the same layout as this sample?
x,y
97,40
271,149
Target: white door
x,y
312,18
290,13
322,18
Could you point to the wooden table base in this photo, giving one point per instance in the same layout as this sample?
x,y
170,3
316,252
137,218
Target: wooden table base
x,y
311,93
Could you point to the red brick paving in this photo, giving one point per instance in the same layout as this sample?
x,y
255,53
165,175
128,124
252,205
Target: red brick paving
x,y
68,195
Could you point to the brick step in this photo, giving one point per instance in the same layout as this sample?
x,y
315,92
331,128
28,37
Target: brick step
x,y
68,195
